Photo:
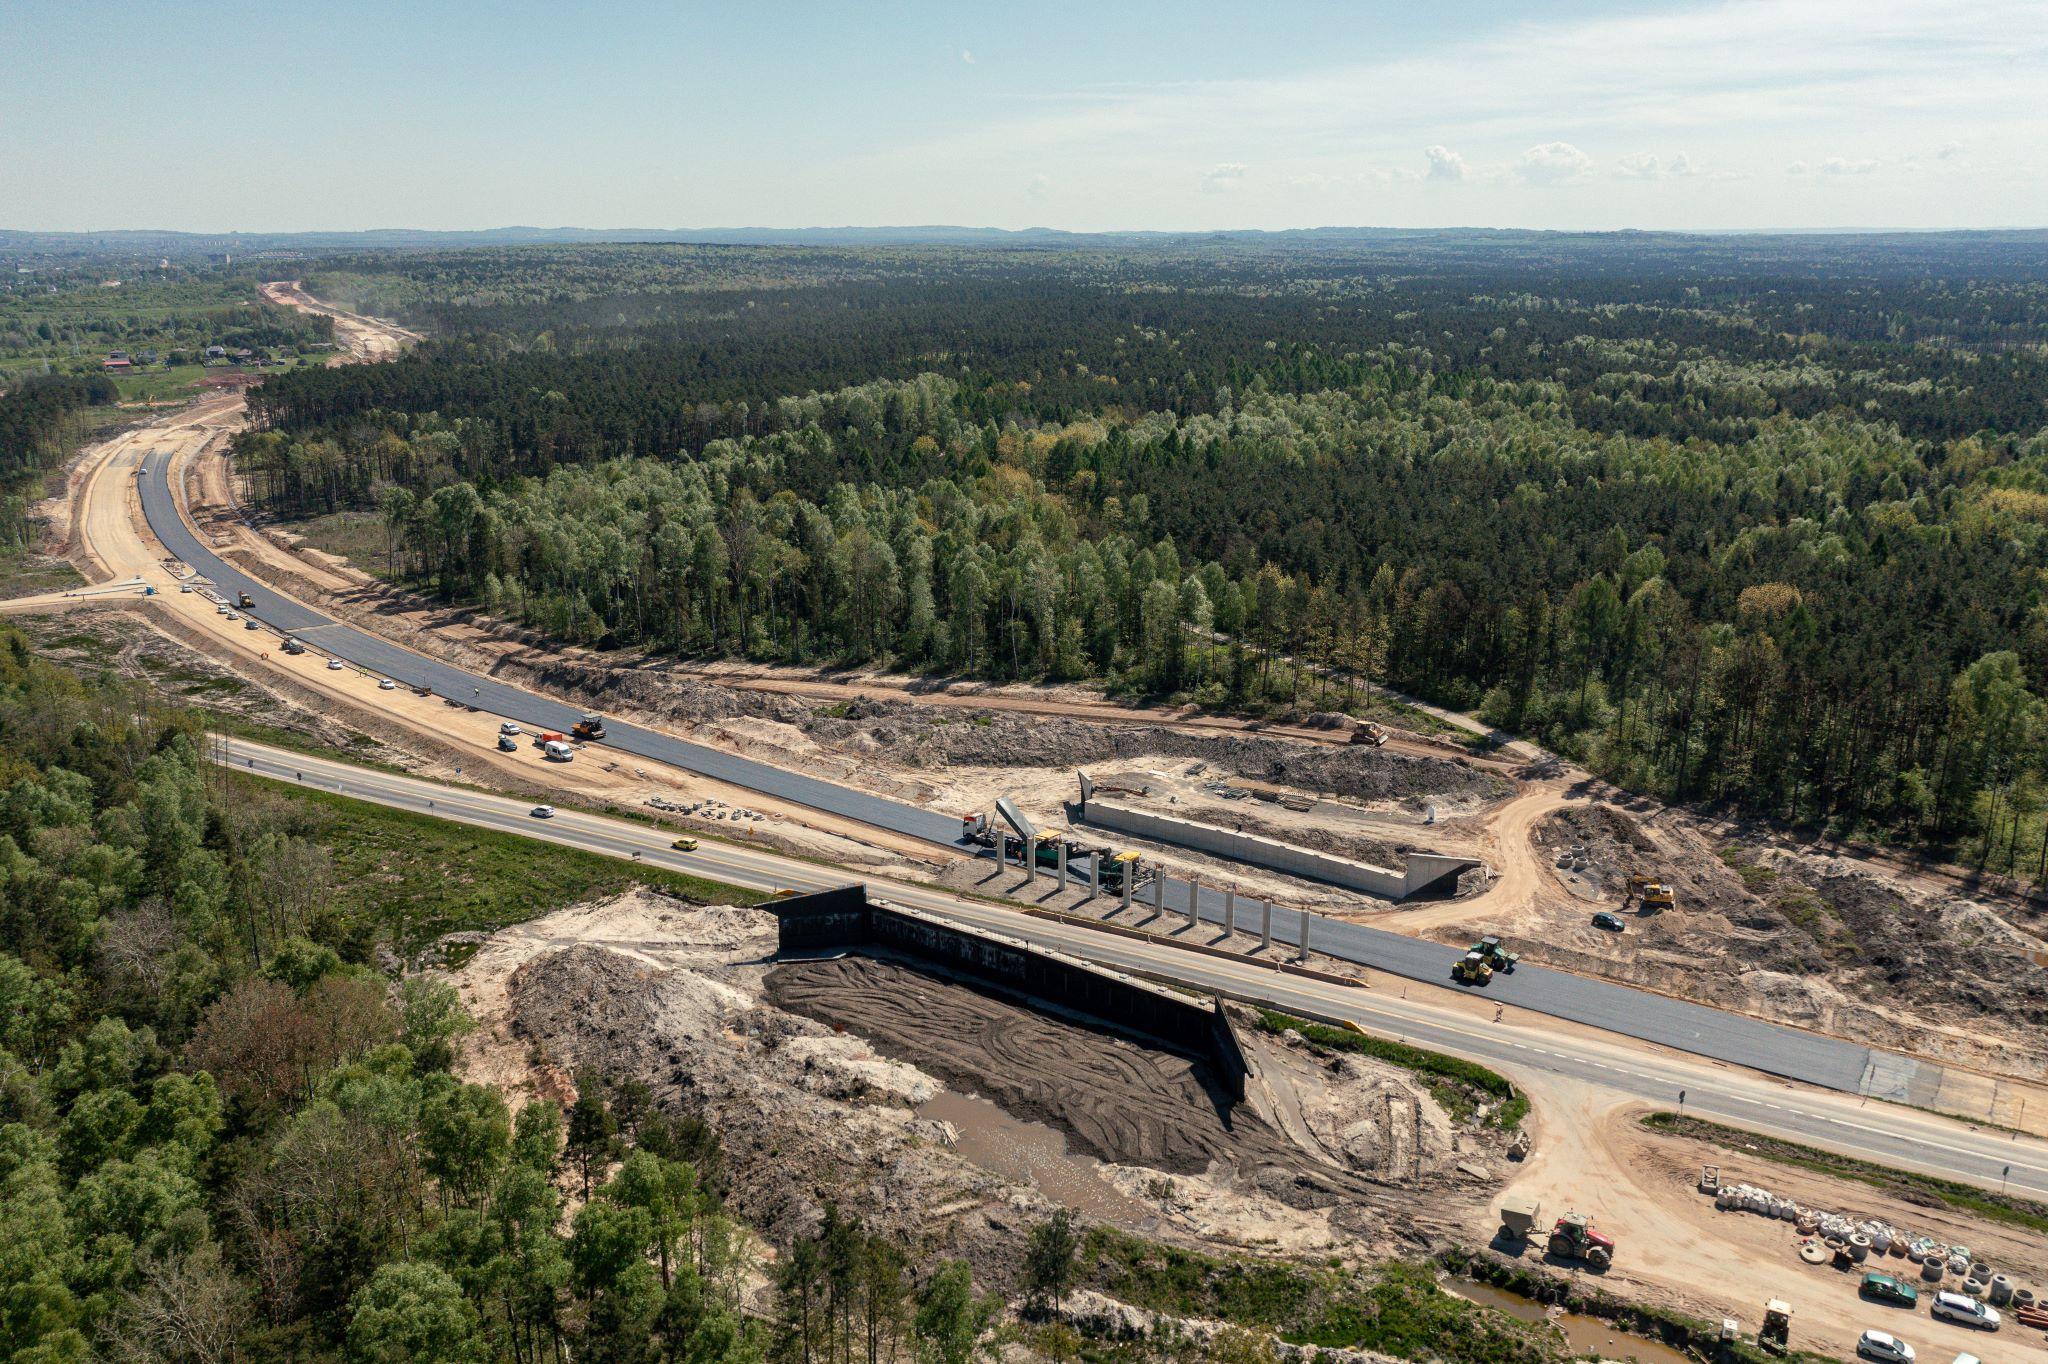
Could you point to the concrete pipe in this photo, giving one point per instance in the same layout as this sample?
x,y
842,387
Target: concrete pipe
x,y
2001,1290
2023,1297
1930,1270
1814,1253
1859,1247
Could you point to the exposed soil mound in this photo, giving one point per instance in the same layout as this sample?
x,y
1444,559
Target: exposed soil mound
x,y
905,733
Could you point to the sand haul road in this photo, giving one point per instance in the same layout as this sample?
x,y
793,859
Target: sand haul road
x,y
1705,1031
1588,1088
1523,1044
120,540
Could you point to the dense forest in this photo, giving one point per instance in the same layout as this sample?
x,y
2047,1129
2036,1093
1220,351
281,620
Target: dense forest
x,y
224,1136
40,421
1750,520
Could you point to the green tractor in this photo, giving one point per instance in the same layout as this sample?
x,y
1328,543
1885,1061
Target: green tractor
x,y
1490,950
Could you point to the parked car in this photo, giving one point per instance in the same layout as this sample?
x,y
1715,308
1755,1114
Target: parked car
x,y
251,625
1884,1288
220,610
507,744
548,812
684,845
387,685
1884,1347
234,615
1610,922
334,665
1967,1311
184,587
509,727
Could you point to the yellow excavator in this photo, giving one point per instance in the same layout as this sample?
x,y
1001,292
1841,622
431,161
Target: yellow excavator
x,y
1652,894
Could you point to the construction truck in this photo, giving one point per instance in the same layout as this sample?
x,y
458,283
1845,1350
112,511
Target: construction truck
x,y
1496,955
589,725
1368,732
1776,1333
1574,1238
1472,969
244,600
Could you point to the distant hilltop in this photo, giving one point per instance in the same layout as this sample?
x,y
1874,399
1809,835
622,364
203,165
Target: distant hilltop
x,y
147,241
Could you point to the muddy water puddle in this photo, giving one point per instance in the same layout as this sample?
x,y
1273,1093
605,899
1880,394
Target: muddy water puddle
x,y
1033,1153
1587,1335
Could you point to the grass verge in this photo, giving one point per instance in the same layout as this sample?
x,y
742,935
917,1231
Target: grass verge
x,y
1395,1307
1910,1188
1463,1087
406,878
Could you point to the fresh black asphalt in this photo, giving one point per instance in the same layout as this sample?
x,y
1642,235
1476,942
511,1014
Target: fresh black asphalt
x,y
1686,1027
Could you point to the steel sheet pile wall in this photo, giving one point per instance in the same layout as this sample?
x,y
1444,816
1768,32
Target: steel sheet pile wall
x,y
846,917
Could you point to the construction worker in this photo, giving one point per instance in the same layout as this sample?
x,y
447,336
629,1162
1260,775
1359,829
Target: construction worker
x,y
1497,1013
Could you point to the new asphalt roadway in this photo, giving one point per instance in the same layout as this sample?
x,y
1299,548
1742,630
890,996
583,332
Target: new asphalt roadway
x,y
1734,1038
1884,1133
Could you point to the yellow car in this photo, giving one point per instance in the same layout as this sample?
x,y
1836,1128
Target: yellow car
x,y
684,845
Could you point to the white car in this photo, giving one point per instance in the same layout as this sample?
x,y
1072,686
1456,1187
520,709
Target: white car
x,y
387,685
220,610
1961,1307
184,587
543,812
508,728
334,665
1884,1347
1966,1359
234,615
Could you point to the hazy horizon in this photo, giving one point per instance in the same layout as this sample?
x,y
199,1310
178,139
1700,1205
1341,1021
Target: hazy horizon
x,y
1592,115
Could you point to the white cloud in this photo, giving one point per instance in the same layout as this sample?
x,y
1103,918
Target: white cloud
x,y
1040,187
1541,111
966,56
1648,166
1445,164
1553,163
1842,165
1798,168
1221,179
1953,153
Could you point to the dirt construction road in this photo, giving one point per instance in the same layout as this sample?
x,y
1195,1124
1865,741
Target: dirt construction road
x,y
1580,1156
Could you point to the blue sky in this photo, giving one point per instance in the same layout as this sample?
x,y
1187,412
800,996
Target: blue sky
x,y
1125,114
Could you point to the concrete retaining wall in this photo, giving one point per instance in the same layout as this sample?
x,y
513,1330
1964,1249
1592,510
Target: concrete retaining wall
x,y
1423,870
846,917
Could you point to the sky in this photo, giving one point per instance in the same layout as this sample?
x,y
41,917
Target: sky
x,y
1109,115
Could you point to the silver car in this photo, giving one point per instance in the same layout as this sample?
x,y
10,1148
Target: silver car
x,y
1885,1348
1962,1308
